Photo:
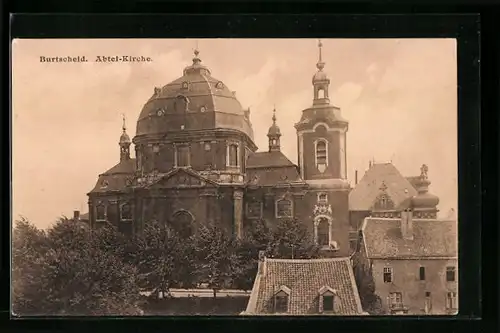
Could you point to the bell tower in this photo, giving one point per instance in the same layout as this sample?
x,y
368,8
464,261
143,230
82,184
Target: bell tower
x,y
321,134
274,135
124,143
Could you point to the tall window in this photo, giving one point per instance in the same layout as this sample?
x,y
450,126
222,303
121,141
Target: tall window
x,y
421,273
321,153
451,301
450,273
428,303
281,302
233,155
183,158
126,212
254,209
388,274
284,208
323,232
395,300
100,212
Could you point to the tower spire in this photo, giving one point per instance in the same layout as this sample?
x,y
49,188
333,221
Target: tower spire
x,y
124,142
274,134
320,64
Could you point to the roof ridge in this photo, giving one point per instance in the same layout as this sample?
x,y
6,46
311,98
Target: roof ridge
x,y
281,260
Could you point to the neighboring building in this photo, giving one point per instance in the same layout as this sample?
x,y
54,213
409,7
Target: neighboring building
x,y
381,188
196,162
412,255
304,287
77,217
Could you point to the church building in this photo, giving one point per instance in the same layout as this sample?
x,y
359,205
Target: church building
x,y
197,162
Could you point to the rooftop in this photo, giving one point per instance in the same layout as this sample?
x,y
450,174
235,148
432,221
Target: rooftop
x,y
304,278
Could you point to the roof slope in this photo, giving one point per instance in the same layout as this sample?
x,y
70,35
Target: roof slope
x,y
304,278
431,238
115,179
268,159
366,191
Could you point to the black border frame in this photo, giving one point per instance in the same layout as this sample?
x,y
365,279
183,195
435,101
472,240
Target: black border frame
x,y
466,28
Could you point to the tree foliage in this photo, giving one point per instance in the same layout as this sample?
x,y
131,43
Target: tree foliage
x,y
73,272
370,301
216,258
163,259
290,239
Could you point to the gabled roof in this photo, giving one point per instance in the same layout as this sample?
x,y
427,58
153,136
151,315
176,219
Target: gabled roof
x,y
179,177
268,159
304,278
366,191
431,238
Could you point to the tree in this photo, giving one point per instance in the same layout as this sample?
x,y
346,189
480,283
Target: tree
x,y
258,236
216,257
29,245
370,301
291,239
163,259
79,277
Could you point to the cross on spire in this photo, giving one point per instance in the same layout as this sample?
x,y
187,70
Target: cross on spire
x,y
124,127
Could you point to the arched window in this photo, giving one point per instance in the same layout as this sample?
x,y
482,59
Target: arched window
x,y
284,208
125,212
321,93
182,223
100,212
323,232
321,153
232,155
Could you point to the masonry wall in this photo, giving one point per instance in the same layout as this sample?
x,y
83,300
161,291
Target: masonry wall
x,y
406,280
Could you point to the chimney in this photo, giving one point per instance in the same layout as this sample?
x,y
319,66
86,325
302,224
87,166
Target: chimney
x,y
76,215
407,224
262,263
356,177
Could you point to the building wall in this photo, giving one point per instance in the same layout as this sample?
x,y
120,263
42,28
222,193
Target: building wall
x,y
309,151
406,280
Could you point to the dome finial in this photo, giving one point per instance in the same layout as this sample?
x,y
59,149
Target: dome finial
x,y
196,59
274,115
124,127
320,65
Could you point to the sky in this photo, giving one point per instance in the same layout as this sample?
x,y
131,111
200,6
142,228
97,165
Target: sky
x,y
399,96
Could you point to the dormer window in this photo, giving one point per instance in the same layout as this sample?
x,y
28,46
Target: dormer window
x,y
327,298
185,85
104,184
219,85
282,300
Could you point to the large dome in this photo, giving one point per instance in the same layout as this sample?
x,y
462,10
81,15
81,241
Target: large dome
x,y
195,101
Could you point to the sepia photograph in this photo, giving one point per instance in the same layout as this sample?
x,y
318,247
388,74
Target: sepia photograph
x,y
234,177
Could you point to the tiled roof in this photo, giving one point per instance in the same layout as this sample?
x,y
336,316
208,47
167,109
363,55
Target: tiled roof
x,y
305,278
273,176
116,177
366,191
268,159
431,238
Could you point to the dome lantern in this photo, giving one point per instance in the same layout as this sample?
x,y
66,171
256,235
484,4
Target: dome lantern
x,y
124,143
424,200
274,134
320,80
